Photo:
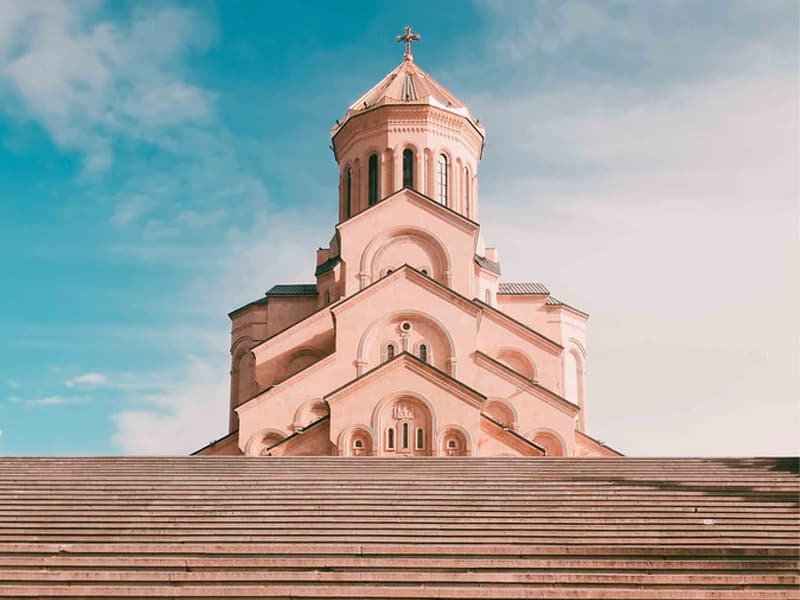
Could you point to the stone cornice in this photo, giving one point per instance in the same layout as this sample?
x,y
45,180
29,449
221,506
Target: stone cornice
x,y
536,389
517,439
537,338
597,445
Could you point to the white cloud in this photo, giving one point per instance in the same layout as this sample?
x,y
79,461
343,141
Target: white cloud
x,y
14,385
183,416
87,380
87,80
54,401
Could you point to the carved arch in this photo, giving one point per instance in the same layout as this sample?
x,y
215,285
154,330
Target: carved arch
x,y
550,440
458,434
310,411
356,432
410,315
517,360
429,242
502,411
263,439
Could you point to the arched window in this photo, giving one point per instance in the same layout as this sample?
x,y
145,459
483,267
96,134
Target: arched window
x,y
327,297
372,181
423,352
466,193
420,441
404,437
358,444
424,271
390,352
348,193
408,168
442,179
390,438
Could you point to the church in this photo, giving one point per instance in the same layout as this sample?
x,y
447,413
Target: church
x,y
408,343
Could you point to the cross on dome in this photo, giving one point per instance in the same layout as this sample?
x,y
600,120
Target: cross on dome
x,y
408,37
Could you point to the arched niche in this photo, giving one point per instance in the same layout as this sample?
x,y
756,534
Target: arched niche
x,y
298,360
412,420
502,411
455,441
260,442
574,362
424,329
309,412
396,247
548,439
518,361
357,440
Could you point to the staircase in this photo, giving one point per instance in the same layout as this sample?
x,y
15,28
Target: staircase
x,y
556,528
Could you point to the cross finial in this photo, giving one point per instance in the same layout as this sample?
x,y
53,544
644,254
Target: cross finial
x,y
408,37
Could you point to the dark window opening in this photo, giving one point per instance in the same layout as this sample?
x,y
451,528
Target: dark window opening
x,y
372,189
348,193
404,439
420,438
390,352
390,438
423,353
408,168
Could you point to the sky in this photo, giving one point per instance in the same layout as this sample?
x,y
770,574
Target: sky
x,y
164,163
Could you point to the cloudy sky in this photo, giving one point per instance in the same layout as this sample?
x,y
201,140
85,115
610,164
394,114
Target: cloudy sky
x,y
163,163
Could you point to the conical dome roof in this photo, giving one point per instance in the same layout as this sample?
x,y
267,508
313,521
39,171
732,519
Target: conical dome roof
x,y
408,84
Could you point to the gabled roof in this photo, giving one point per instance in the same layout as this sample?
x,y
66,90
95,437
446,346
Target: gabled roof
x,y
292,289
556,302
519,289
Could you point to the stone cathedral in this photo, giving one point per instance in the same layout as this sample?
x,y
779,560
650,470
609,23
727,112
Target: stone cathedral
x,y
408,343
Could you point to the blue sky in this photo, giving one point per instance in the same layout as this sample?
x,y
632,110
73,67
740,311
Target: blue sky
x,y
163,163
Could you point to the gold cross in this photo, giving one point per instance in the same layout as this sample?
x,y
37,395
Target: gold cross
x,y
408,37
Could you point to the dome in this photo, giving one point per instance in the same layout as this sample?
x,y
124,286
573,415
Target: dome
x,y
407,84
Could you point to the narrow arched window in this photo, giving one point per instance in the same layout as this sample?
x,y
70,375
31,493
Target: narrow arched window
x,y
466,193
348,193
372,180
420,438
451,444
327,297
390,438
408,168
358,444
389,351
423,352
442,177
404,439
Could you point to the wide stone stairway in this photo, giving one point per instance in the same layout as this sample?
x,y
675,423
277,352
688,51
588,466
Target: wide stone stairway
x,y
218,527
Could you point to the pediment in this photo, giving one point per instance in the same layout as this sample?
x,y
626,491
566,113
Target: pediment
x,y
424,207
406,371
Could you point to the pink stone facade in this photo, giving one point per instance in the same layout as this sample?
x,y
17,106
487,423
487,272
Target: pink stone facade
x,y
408,344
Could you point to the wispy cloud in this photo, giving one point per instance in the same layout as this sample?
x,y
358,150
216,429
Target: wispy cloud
x,y
88,80
54,401
14,385
87,380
